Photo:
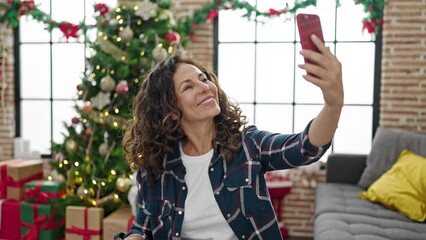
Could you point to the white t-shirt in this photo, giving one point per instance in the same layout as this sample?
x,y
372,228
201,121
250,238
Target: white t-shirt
x,y
203,219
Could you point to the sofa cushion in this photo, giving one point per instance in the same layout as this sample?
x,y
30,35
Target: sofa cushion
x,y
344,198
386,147
344,226
341,214
403,187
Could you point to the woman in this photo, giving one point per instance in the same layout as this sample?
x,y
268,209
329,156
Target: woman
x,y
200,170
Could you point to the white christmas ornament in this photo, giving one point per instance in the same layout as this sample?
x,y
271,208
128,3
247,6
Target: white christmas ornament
x,y
159,53
103,149
100,100
107,84
127,34
146,10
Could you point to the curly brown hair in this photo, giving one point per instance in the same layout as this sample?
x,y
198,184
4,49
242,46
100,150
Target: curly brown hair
x,y
154,128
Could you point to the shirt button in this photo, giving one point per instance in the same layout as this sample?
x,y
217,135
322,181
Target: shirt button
x,y
183,188
180,212
211,169
217,193
228,215
243,236
247,179
177,234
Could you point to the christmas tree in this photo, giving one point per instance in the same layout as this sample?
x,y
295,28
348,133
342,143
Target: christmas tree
x,y
129,40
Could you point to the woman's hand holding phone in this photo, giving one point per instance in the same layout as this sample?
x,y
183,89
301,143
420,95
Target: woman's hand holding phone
x,y
325,71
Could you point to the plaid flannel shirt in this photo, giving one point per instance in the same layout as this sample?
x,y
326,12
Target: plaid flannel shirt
x,y
239,187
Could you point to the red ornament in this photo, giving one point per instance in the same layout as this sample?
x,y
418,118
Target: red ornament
x,y
102,8
75,120
192,37
172,37
69,29
122,88
194,26
88,106
88,130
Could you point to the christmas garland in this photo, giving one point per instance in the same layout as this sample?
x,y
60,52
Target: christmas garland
x,y
14,9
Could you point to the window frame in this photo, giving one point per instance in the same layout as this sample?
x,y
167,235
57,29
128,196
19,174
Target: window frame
x,y
376,78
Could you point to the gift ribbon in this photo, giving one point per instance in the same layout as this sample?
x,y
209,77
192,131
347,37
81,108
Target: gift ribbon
x,y
85,232
130,222
42,197
6,181
32,233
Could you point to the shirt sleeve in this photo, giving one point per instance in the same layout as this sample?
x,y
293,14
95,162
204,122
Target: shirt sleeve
x,y
283,151
140,226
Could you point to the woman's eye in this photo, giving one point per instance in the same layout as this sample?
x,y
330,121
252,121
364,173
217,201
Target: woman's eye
x,y
187,87
205,80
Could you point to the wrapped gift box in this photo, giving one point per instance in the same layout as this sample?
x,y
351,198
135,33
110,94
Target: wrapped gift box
x,y
119,221
43,191
83,223
41,221
10,214
15,173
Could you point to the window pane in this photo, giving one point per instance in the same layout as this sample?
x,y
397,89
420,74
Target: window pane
x,y
68,69
236,71
248,111
35,124
31,30
349,24
35,70
306,92
303,114
277,28
274,81
231,25
354,133
274,118
358,71
68,11
63,111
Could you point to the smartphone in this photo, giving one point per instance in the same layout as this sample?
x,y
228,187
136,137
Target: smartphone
x,y
307,25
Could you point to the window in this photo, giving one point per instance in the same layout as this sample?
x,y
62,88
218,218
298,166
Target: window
x,y
50,68
257,67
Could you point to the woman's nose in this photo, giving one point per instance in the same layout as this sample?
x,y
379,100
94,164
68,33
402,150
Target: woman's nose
x,y
204,86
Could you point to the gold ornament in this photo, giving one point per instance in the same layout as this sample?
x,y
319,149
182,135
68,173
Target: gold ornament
x,y
107,83
71,146
81,192
159,53
123,184
127,34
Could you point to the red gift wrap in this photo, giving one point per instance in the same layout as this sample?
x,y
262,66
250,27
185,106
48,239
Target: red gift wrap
x,y
10,226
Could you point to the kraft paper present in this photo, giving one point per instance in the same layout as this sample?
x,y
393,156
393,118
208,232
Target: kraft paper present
x,y
118,221
15,173
83,221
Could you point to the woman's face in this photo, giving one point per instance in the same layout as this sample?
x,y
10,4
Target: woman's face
x,y
197,97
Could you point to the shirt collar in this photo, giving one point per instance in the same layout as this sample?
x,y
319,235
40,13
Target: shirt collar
x,y
173,158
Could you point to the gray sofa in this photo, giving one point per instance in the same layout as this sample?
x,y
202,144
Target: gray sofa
x,y
340,214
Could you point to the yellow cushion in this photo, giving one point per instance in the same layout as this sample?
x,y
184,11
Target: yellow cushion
x,y
403,187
